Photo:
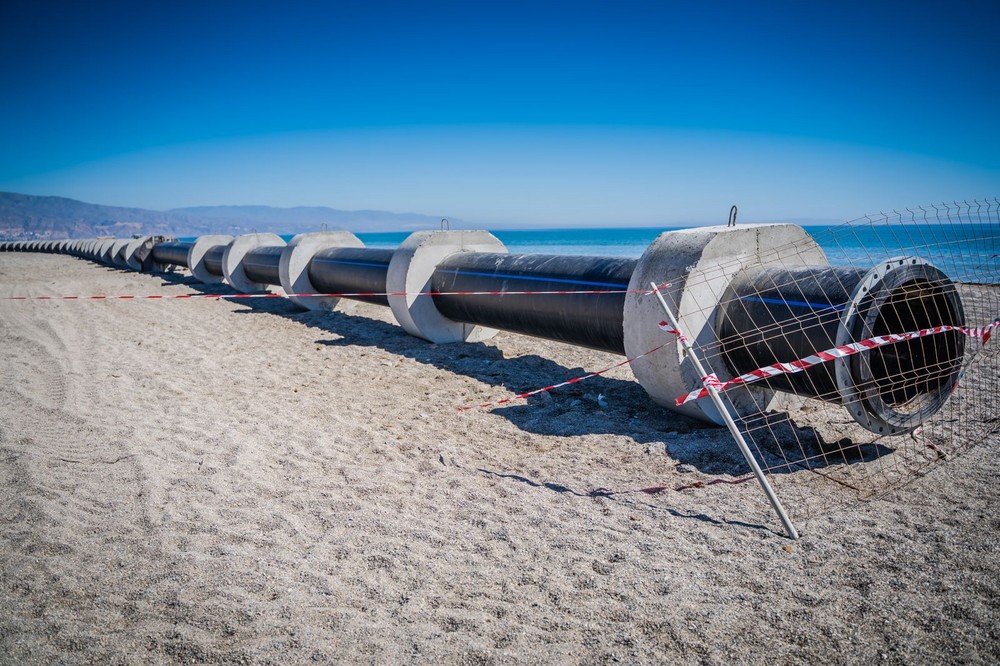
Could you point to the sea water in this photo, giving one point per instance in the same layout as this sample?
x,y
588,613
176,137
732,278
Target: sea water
x,y
966,252
592,242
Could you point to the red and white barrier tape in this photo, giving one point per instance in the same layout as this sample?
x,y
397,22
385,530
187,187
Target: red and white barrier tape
x,y
664,326
575,380
712,380
357,294
561,384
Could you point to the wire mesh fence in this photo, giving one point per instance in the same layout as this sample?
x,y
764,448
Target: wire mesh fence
x,y
866,372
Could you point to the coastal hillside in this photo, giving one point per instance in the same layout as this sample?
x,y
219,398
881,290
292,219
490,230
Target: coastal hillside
x,y
28,217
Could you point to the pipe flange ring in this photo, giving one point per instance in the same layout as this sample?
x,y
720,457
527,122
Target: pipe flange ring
x,y
863,391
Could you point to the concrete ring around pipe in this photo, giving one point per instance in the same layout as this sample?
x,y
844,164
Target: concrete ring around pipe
x,y
137,251
107,250
117,252
232,261
196,257
409,274
104,251
293,268
700,264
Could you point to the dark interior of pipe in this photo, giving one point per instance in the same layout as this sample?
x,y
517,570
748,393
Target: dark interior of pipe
x,y
904,383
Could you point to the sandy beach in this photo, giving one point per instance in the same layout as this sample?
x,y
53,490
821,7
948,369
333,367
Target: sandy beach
x,y
238,481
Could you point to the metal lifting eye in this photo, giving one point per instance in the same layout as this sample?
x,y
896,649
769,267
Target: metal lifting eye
x,y
732,216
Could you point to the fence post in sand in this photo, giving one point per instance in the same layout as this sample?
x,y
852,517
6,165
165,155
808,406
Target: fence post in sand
x,y
727,417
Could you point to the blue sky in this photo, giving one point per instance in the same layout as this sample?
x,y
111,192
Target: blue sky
x,y
534,113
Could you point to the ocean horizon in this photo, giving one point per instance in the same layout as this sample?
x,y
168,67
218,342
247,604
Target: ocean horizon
x,y
963,251
966,251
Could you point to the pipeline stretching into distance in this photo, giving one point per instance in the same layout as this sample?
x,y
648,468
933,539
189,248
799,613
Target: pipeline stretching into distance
x,y
746,308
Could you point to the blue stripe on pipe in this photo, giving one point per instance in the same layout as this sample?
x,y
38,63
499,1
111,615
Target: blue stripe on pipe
x,y
355,263
801,304
536,279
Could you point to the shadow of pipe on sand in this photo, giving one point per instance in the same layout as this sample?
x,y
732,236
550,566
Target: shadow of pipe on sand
x,y
624,408
570,411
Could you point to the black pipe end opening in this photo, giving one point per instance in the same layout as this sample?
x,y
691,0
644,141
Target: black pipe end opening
x,y
777,315
893,388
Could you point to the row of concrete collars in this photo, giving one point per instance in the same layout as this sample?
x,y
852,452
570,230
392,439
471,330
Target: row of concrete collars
x,y
748,296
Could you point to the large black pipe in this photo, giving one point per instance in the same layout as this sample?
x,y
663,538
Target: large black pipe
x,y
781,315
589,320
348,270
777,315
261,264
174,253
213,259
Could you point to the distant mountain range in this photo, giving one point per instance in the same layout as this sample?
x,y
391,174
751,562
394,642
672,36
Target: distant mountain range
x,y
24,216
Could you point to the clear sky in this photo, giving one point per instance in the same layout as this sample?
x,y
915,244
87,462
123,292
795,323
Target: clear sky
x,y
575,113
